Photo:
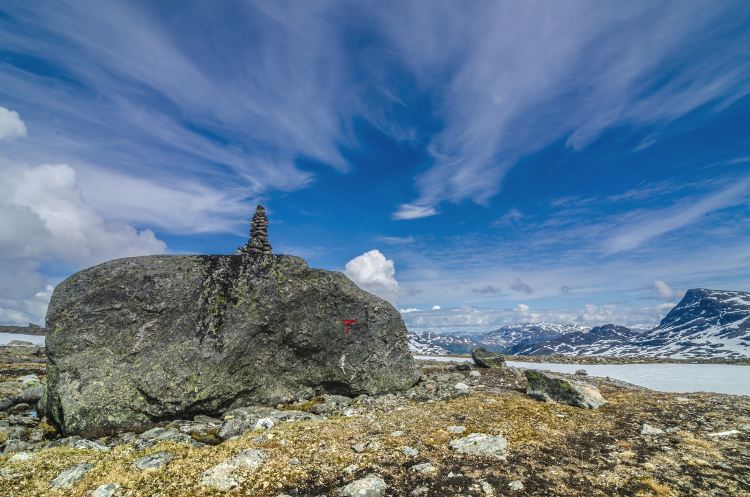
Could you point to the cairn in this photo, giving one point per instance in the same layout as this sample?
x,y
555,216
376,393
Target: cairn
x,y
258,243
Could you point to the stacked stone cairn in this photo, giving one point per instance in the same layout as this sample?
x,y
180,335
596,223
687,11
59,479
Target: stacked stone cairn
x,y
258,243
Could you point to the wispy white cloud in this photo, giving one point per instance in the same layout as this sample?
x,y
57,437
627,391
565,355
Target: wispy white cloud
x,y
411,211
666,292
648,224
396,240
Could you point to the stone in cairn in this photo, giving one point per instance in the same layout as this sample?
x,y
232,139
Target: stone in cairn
x,y
258,243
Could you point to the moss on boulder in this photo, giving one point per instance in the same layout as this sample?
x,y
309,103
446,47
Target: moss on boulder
x,y
137,340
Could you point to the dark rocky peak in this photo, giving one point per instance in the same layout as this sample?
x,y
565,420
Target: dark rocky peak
x,y
613,330
701,308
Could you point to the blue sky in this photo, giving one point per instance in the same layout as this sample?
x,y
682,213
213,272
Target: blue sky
x,y
510,161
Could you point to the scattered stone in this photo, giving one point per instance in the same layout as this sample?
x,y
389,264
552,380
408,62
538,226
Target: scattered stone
x,y
295,462
745,427
408,451
350,469
89,445
724,433
107,490
358,448
200,418
22,456
461,386
549,387
481,444
647,429
156,460
369,486
463,366
498,390
582,372
14,446
672,429
515,485
475,374
426,469
397,433
487,488
373,446
682,399
151,434
263,424
456,429
71,475
489,401
486,359
220,476
419,491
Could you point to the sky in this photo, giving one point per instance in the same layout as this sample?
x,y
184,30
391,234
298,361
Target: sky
x,y
475,164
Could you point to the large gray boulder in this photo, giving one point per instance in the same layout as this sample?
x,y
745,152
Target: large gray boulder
x,y
138,340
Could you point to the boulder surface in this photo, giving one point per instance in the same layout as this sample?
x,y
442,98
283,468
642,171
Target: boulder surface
x,y
549,387
138,340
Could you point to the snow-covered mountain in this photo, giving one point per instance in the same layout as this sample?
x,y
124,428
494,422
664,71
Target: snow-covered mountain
x,y
452,342
597,341
706,323
508,336
420,347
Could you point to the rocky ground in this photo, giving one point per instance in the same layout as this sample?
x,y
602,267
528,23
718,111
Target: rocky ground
x,y
401,445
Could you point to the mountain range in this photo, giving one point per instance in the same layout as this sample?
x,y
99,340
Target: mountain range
x,y
706,323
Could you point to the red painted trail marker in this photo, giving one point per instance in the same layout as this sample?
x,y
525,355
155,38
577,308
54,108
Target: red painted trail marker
x,y
348,322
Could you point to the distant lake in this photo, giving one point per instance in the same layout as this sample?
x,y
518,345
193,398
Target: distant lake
x,y
677,378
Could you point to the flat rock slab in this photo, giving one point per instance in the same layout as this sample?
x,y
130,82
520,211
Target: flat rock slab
x,y
549,387
481,444
156,460
486,359
71,475
220,476
185,335
105,490
369,486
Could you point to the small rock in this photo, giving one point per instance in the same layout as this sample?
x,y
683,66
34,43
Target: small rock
x,y
295,461
220,476
487,488
397,433
408,451
475,374
486,359
155,460
670,430
22,456
681,399
200,418
461,386
372,446
358,448
369,486
419,491
488,401
463,366
745,427
481,444
71,475
549,387
515,485
647,429
265,438
107,490
263,424
724,433
89,445
425,469
456,429
14,446
582,372
350,469
152,433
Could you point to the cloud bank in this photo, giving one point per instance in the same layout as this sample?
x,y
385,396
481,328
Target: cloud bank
x,y
374,273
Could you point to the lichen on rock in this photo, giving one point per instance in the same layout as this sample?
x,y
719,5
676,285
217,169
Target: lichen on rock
x,y
138,340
